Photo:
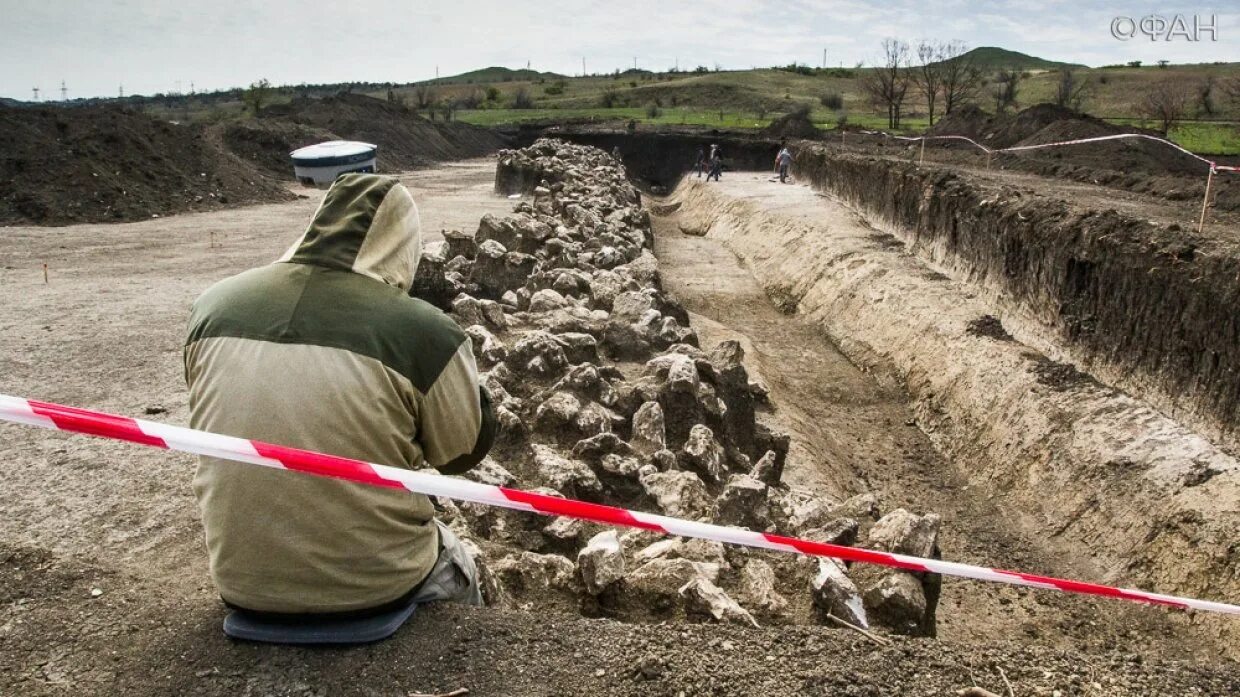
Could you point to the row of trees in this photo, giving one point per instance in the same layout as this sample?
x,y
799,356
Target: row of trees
x,y
943,73
1170,100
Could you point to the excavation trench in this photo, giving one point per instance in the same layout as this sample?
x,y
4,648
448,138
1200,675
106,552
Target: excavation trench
x,y
1032,463
101,540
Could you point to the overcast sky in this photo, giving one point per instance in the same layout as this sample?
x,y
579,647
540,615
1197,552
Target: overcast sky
x,y
149,45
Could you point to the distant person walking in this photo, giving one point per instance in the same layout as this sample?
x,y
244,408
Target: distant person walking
x,y
699,162
783,162
716,163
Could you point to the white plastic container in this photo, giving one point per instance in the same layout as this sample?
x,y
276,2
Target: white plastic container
x,y
320,164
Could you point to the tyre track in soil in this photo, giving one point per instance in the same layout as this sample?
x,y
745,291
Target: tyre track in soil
x,y
853,431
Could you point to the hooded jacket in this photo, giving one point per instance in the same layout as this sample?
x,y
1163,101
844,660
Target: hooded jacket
x,y
325,350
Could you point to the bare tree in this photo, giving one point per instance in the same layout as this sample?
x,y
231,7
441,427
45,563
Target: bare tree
x,y
423,96
1072,89
522,99
257,96
1206,90
1006,88
927,75
887,84
1166,102
448,108
961,77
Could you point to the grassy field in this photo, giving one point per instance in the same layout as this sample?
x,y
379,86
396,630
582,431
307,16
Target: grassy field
x,y
752,98
1214,138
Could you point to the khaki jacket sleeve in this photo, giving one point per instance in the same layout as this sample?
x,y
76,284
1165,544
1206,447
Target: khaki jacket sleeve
x,y
456,422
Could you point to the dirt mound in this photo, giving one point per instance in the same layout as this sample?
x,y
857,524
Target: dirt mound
x,y
405,139
1008,131
1048,123
1002,131
266,144
101,164
968,121
1127,155
793,125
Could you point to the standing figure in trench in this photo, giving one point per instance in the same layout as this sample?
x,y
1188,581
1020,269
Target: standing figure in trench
x,y
783,163
699,162
325,350
715,164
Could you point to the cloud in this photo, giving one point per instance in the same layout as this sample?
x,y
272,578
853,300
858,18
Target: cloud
x,y
149,45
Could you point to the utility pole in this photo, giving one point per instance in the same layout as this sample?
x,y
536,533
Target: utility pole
x,y
120,92
64,92
35,90
191,88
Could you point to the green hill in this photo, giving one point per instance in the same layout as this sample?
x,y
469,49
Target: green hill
x,y
994,58
494,74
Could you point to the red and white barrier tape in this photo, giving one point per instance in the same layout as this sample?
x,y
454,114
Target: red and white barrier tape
x,y
1020,148
62,418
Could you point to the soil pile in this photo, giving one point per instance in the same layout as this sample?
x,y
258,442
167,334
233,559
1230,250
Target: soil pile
x,y
968,121
405,139
266,144
604,394
1047,123
792,125
100,164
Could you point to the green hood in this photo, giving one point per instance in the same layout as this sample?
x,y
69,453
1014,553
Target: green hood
x,y
367,224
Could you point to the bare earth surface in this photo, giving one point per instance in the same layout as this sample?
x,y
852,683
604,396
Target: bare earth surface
x,y
103,582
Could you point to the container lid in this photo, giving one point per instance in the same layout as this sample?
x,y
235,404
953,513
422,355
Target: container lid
x,y
334,152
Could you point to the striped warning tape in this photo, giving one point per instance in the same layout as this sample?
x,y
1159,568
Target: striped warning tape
x,y
63,418
1079,141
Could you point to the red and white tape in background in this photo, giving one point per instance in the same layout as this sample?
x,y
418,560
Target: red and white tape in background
x,y
1214,166
63,418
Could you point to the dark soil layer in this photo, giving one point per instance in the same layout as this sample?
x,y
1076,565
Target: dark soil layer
x,y
100,164
1135,164
405,139
657,160
794,125
989,326
131,639
1047,123
266,143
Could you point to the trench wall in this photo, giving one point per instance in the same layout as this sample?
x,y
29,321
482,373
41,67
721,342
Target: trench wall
x,y
1122,492
1143,307
1146,308
661,159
